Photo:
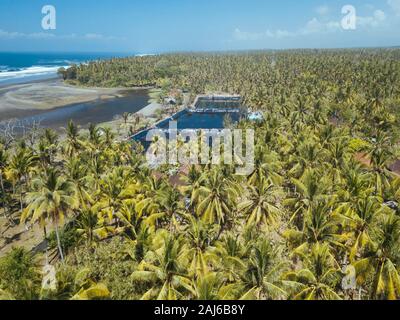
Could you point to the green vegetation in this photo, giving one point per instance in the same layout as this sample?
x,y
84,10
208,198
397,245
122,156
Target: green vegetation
x,y
320,207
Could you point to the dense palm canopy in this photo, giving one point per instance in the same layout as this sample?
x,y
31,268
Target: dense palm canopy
x,y
320,201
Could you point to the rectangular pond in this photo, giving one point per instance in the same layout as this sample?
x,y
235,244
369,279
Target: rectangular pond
x,y
208,112
189,119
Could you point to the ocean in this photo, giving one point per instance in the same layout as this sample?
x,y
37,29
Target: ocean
x,y
18,68
25,67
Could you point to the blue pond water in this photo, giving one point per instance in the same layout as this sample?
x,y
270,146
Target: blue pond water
x,y
193,120
201,120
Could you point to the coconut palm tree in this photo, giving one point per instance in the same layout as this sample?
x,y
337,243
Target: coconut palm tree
x,y
200,238
19,169
73,144
361,218
3,165
169,201
260,205
380,154
52,198
126,116
78,174
319,277
261,278
166,269
215,200
310,188
91,226
316,219
382,260
211,287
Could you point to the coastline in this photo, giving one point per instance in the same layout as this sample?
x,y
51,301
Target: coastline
x,y
58,101
52,94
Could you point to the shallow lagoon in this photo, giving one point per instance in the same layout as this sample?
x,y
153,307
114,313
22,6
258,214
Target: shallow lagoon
x,y
84,113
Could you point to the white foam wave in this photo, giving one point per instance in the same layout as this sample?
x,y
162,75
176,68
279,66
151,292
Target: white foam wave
x,y
28,72
145,55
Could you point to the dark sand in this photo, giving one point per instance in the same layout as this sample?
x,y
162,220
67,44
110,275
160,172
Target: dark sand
x,y
53,103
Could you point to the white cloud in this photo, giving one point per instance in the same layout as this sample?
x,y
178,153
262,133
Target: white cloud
x,y
14,35
44,35
93,36
40,35
284,34
395,5
376,20
369,6
96,36
9,35
245,36
314,26
322,10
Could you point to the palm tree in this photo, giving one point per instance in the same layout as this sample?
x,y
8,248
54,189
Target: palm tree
x,y
126,116
232,253
165,269
319,277
380,154
78,174
108,136
361,218
200,238
260,205
338,154
76,286
356,184
381,261
215,200
261,278
321,225
91,226
73,144
267,165
310,188
94,136
114,189
49,142
20,167
3,165
19,275
53,198
169,203
309,155
210,287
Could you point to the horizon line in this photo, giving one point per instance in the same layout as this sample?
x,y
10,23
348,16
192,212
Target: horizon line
x,y
196,51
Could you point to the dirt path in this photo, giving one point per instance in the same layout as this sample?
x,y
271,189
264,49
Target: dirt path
x,y
18,236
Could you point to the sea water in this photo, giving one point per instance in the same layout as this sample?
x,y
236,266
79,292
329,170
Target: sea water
x,y
26,67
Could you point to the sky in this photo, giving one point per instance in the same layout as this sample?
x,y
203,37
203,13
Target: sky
x,y
155,26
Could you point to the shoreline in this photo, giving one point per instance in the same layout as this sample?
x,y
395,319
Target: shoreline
x,y
36,97
51,94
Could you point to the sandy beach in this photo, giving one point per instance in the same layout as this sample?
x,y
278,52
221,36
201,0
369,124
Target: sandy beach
x,y
54,103
49,94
